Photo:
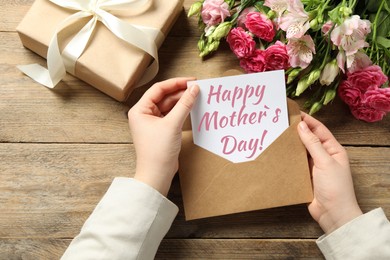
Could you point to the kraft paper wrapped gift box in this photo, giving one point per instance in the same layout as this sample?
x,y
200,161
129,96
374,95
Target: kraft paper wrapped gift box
x,y
213,186
108,63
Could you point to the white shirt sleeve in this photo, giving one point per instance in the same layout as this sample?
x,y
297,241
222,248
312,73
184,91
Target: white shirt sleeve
x,y
128,223
365,237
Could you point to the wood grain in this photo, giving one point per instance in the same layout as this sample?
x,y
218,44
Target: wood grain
x,y
13,249
48,190
60,150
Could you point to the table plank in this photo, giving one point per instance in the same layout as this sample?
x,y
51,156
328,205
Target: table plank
x,y
60,150
12,249
50,189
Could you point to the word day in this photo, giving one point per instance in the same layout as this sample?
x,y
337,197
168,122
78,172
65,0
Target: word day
x,y
231,145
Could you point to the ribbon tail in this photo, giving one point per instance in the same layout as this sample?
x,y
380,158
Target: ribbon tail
x,y
56,68
55,65
39,74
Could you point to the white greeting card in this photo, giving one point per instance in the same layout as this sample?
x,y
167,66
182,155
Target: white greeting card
x,y
238,117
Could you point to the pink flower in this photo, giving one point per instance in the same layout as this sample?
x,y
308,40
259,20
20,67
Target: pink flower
x,y
242,18
258,24
301,51
360,61
214,12
371,76
295,21
254,63
378,98
351,34
326,27
350,37
367,114
349,94
276,57
278,6
240,42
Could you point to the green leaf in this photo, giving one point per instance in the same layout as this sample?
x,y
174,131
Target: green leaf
x,y
384,42
386,50
372,5
383,26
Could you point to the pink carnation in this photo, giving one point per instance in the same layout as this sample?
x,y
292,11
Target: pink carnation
x,y
371,76
258,24
350,95
240,42
254,63
378,98
276,57
241,20
214,12
367,114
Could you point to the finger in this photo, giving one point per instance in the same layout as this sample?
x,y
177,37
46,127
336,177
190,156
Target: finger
x,y
168,102
183,107
159,90
312,143
327,139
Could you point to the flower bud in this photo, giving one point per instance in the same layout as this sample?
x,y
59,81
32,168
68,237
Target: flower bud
x,y
230,2
201,44
329,96
209,30
293,74
314,24
301,86
212,46
345,11
195,9
271,14
329,73
221,31
315,108
313,76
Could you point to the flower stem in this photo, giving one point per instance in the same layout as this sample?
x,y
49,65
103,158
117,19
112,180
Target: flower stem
x,y
376,20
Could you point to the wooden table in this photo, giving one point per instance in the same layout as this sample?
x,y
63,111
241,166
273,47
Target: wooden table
x,y
60,150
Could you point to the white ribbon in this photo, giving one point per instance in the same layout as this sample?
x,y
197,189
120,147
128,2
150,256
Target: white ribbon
x,y
142,37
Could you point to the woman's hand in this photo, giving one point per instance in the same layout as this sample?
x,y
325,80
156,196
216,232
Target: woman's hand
x,y
156,124
334,202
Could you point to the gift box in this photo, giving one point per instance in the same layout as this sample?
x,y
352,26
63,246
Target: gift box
x,y
108,62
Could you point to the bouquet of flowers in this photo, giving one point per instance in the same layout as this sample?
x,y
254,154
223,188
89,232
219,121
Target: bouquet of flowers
x,y
333,47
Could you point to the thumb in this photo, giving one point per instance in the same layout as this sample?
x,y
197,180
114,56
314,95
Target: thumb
x,y
312,143
183,107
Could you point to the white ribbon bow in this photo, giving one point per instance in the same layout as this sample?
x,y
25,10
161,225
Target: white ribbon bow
x,y
142,37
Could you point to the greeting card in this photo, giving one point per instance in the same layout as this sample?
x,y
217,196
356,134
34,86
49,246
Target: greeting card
x,y
238,117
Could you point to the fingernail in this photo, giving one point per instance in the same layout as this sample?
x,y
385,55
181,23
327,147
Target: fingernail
x,y
303,126
194,90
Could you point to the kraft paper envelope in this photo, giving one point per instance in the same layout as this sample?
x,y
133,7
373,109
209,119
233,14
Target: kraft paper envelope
x,y
213,186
